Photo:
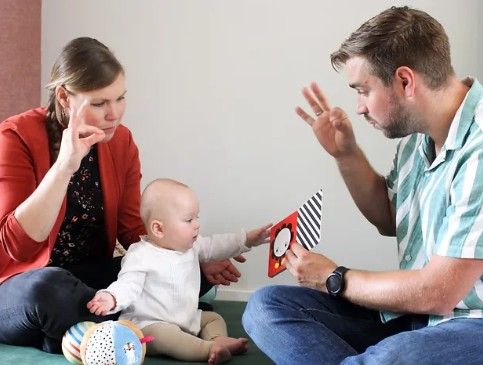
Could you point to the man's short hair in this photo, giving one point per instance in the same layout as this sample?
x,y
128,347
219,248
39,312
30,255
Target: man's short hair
x,y
400,36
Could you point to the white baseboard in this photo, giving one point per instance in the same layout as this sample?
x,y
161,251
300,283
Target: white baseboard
x,y
231,294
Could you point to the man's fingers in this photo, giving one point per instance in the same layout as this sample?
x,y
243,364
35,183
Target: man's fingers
x,y
306,117
314,104
211,278
320,96
290,257
317,101
230,277
221,279
231,270
298,249
289,267
290,262
338,118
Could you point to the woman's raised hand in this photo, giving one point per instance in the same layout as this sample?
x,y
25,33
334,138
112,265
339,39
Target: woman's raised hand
x,y
78,138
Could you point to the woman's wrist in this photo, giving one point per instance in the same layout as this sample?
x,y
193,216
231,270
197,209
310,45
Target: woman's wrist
x,y
61,171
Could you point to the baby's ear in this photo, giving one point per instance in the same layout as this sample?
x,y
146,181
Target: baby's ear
x,y
157,228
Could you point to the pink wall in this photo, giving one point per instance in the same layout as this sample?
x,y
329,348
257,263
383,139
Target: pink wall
x,y
19,56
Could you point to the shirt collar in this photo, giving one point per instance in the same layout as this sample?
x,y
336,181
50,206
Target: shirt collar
x,y
464,116
460,125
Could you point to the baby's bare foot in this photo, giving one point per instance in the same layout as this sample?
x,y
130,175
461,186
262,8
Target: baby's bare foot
x,y
236,346
219,353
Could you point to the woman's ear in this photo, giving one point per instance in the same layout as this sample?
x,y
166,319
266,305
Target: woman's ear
x,y
157,228
405,80
62,96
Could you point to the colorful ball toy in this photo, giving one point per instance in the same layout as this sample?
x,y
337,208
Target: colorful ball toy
x,y
106,343
71,342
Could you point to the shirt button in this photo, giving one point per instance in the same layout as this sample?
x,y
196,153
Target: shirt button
x,y
407,257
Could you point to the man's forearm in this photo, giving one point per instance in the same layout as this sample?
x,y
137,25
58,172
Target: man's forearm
x,y
396,291
435,289
369,191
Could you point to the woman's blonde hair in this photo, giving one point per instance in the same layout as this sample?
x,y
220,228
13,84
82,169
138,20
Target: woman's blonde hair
x,y
85,64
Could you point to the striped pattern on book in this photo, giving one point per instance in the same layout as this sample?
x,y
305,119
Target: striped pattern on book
x,y
309,221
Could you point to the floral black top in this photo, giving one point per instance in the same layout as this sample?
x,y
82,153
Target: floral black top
x,y
81,235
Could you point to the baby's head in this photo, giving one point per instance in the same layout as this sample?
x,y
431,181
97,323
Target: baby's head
x,y
169,210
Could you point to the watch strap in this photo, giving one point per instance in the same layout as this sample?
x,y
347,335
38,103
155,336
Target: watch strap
x,y
339,272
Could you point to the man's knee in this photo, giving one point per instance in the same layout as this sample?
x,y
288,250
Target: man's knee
x,y
265,295
254,302
259,305
259,300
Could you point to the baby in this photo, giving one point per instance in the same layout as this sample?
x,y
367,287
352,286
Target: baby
x,y
158,285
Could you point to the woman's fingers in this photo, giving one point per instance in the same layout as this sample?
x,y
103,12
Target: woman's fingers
x,y
94,137
80,130
78,119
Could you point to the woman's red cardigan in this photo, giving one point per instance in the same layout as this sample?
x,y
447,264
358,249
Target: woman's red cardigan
x,y
24,161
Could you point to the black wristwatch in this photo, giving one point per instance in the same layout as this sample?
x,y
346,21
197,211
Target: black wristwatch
x,y
335,283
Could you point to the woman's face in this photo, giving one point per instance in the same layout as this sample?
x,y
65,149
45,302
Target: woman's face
x,y
104,107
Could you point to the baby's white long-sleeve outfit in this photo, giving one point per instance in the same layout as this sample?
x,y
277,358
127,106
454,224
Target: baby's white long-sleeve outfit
x,y
160,285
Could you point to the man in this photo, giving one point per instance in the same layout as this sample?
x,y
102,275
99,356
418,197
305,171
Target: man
x,y
430,311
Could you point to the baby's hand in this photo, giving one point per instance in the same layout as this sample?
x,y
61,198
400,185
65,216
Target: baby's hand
x,y
102,303
258,236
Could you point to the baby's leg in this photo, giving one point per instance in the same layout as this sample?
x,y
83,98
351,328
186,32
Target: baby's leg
x,y
170,340
213,327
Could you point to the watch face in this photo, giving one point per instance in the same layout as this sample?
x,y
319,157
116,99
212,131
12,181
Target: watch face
x,y
334,283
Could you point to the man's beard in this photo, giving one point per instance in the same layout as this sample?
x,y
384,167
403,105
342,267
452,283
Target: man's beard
x,y
400,122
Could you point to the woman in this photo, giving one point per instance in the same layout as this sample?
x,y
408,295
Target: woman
x,y
69,188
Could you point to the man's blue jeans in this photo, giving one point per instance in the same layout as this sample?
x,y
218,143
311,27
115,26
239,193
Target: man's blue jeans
x,y
296,325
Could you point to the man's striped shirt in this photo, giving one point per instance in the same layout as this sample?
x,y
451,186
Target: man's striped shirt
x,y
439,199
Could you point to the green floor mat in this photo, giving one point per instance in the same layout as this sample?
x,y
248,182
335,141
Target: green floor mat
x,y
231,312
